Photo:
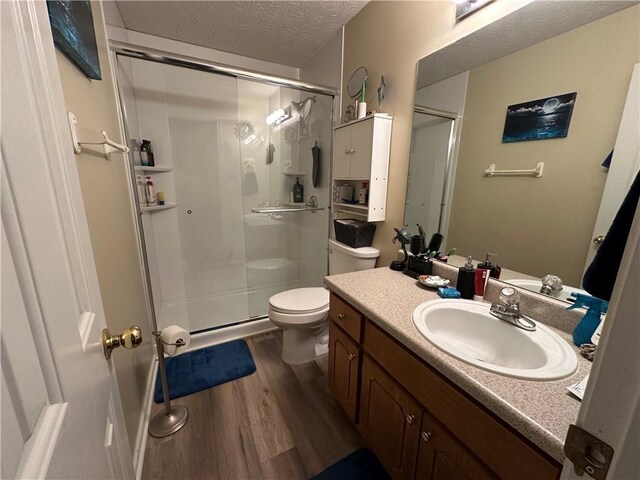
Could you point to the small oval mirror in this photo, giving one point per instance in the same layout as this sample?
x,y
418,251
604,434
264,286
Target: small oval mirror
x,y
354,87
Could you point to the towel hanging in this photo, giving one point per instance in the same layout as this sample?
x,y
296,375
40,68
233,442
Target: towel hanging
x,y
315,177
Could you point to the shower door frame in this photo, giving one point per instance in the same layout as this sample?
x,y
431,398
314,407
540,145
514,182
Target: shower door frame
x,y
169,58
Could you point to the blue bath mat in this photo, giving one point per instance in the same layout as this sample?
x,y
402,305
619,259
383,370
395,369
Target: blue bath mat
x,y
359,465
201,369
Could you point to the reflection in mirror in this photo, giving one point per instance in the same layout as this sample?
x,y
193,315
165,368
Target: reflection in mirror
x,y
429,158
538,226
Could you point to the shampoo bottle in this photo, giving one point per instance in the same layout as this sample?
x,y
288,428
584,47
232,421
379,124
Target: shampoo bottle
x,y
146,153
151,193
589,323
364,193
465,284
142,191
298,192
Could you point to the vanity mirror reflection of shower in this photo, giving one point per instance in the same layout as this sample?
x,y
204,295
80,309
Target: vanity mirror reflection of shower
x,y
220,264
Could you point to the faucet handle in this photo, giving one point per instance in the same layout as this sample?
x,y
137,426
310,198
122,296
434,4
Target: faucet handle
x,y
509,296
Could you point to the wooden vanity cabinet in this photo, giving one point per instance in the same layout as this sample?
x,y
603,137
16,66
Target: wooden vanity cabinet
x,y
418,423
389,420
442,457
345,353
344,366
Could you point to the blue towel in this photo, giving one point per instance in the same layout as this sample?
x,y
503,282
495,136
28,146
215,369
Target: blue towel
x,y
600,277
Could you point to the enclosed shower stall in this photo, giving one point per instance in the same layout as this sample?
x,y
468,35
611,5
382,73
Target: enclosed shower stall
x,y
226,146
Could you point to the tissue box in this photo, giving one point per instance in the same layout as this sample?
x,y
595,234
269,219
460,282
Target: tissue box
x,y
354,233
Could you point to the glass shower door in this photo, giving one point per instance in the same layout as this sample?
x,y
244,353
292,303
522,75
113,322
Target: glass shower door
x,y
212,261
284,250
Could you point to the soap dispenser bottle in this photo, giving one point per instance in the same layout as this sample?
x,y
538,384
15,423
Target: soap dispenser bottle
x,y
151,193
494,270
589,323
298,192
465,283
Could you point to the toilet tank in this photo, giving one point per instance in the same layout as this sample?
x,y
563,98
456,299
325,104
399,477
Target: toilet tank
x,y
343,258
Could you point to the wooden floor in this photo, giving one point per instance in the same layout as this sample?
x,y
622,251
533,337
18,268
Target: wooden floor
x,y
279,423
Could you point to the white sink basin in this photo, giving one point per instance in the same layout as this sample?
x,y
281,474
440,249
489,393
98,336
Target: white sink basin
x,y
536,285
466,330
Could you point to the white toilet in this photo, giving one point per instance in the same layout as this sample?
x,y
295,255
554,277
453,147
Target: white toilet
x,y
302,313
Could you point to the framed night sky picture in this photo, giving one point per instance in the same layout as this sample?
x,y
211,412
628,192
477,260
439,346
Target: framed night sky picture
x,y
539,119
72,28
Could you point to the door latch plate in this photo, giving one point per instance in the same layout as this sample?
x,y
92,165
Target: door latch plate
x,y
588,453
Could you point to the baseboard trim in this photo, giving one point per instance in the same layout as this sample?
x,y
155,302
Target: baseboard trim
x,y
143,422
198,341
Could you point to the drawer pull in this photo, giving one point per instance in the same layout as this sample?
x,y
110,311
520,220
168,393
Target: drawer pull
x,y
352,356
410,419
341,316
426,436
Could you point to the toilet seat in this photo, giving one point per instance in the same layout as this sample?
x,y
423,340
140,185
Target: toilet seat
x,y
300,301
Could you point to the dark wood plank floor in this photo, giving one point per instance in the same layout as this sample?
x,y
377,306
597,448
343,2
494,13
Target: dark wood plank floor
x,y
279,423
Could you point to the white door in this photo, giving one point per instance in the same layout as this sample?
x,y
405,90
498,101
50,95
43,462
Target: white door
x,y
611,406
61,411
624,165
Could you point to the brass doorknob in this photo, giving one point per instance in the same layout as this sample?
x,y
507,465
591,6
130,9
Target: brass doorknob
x,y
130,337
598,240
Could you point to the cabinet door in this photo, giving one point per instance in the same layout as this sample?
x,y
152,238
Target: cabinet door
x,y
344,362
361,149
389,420
442,457
342,152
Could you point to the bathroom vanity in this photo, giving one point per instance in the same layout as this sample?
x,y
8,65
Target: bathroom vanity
x,y
426,414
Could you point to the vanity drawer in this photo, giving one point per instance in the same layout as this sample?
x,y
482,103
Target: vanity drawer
x,y
346,317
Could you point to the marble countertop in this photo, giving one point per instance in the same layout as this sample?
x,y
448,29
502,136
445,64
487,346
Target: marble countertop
x,y
541,411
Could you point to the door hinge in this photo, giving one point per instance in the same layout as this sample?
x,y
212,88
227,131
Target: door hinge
x,y
588,453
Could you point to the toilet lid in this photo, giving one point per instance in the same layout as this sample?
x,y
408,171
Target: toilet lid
x,y
301,300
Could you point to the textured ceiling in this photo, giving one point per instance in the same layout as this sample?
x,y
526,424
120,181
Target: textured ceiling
x,y
285,32
533,23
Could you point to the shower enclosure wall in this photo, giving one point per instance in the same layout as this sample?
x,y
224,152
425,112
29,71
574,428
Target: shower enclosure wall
x,y
212,262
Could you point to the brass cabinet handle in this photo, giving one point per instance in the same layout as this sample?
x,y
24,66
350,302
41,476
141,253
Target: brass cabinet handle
x,y
341,316
410,419
598,240
130,337
352,356
426,436
346,151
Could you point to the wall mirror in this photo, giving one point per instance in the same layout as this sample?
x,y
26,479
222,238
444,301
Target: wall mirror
x,y
537,226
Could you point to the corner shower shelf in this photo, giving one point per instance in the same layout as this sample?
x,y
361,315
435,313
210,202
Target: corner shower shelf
x,y
141,168
156,208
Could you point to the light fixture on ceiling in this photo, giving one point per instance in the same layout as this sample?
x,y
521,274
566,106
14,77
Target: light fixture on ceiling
x,y
278,116
464,8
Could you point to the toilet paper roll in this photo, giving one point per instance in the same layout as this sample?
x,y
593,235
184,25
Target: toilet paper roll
x,y
170,335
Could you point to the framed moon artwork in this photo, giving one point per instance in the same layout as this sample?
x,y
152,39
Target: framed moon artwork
x,y
539,119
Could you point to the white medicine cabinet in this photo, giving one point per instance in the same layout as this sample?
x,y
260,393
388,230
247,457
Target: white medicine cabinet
x,y
361,160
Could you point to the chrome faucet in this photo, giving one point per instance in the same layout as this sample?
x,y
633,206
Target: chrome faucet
x,y
507,308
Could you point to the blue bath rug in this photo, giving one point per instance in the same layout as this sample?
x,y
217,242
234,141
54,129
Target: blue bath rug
x,y
201,369
359,465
